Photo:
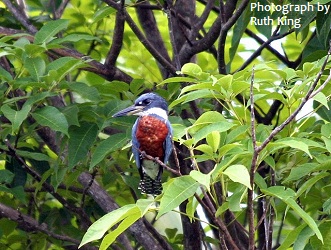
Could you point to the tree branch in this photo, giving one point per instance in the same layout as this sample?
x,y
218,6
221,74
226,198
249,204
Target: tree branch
x,y
148,23
21,17
85,220
117,40
29,224
275,36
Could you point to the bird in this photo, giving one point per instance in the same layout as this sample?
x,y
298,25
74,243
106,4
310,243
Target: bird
x,y
151,135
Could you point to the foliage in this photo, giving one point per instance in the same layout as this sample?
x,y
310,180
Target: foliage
x,y
251,162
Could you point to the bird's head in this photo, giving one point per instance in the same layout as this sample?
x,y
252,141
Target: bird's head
x,y
146,104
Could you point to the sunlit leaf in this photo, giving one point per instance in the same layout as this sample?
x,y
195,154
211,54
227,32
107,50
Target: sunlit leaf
x,y
238,173
101,226
176,191
202,178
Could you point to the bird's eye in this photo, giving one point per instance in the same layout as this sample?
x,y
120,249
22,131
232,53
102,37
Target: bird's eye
x,y
146,102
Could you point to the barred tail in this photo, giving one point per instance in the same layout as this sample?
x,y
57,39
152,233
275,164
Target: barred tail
x,y
149,186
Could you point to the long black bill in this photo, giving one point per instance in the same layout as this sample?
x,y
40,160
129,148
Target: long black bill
x,y
132,110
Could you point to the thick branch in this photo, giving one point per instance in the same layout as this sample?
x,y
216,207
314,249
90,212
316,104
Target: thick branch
x,y
117,40
148,23
21,17
29,224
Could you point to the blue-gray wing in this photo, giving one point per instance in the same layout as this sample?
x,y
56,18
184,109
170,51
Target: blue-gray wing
x,y
135,145
168,143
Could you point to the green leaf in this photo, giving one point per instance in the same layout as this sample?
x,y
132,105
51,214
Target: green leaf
x,y
311,182
33,50
80,141
5,75
176,191
236,198
325,228
238,173
49,30
71,114
207,118
286,195
213,140
203,179
213,127
85,91
327,206
300,171
238,31
323,23
295,143
326,130
179,79
33,155
322,99
20,175
291,237
35,66
103,12
101,226
134,215
112,143
191,69
322,111
16,117
59,68
6,176
127,214
51,117
320,2
75,38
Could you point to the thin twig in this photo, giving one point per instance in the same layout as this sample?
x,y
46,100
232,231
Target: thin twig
x,y
86,222
305,99
250,194
275,36
157,160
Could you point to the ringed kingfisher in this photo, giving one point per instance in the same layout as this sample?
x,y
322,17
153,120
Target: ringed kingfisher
x,y
151,134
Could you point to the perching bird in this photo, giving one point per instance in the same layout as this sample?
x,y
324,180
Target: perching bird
x,y
152,134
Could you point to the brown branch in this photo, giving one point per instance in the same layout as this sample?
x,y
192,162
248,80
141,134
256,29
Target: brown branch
x,y
151,49
85,220
270,48
162,164
275,36
250,199
21,17
117,40
29,224
148,23
59,11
